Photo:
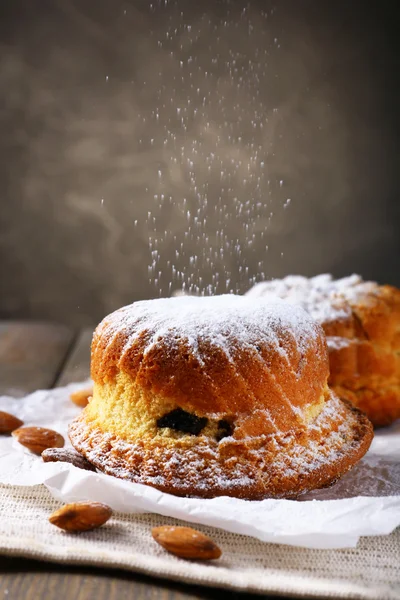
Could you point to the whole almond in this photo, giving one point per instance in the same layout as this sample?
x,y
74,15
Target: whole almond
x,y
81,516
37,439
186,542
81,397
9,422
66,455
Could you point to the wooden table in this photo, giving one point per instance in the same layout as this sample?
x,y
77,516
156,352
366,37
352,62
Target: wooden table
x,y
38,356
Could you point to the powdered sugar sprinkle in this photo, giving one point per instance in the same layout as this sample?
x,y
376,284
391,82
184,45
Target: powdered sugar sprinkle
x,y
323,297
223,320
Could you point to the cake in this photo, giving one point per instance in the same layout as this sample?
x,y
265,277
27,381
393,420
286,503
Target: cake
x,y
213,396
361,320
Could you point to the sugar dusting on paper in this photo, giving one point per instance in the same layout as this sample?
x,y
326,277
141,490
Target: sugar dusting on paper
x,y
366,501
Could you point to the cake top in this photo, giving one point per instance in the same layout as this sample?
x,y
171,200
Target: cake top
x,y
216,354
219,319
323,297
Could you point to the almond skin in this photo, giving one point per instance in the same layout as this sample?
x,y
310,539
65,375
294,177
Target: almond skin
x,y
66,455
37,439
81,397
81,516
186,542
9,422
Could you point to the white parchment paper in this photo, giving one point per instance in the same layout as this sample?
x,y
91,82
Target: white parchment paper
x,y
366,501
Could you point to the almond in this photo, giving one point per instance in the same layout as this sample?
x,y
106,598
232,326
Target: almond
x,y
37,439
81,397
81,516
66,455
186,542
9,422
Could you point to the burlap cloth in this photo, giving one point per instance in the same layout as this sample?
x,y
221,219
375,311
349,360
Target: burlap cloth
x,y
372,570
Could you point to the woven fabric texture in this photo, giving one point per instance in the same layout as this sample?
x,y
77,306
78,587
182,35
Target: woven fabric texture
x,y
371,571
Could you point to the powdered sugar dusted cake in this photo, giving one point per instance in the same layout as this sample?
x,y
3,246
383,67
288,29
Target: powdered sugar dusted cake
x,y
362,323
217,396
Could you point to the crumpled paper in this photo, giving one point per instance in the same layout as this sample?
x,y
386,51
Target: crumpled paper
x,y
366,501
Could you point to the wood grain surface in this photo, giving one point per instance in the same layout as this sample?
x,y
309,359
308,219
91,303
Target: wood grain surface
x,y
31,355
22,579
39,355
77,365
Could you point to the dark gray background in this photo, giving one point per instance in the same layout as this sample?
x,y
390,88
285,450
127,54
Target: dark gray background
x,y
114,112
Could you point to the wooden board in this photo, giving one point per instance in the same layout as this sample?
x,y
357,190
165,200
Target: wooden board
x,y
30,580
31,355
77,365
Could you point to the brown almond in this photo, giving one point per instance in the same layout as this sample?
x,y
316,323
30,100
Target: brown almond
x,y
81,516
186,542
81,397
67,455
37,439
9,422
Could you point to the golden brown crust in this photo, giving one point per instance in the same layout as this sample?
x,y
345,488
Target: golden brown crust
x,y
362,323
257,368
366,370
270,466
281,367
